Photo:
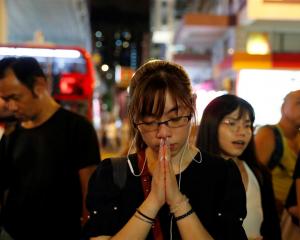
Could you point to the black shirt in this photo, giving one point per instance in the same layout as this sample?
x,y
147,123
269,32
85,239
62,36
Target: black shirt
x,y
39,167
213,186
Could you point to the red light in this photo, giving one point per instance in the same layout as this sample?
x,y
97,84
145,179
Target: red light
x,y
66,85
71,84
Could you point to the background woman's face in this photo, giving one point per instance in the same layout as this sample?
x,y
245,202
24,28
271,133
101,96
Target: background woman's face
x,y
234,134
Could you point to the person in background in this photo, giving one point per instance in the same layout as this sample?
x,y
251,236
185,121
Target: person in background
x,y
277,146
46,161
226,129
171,190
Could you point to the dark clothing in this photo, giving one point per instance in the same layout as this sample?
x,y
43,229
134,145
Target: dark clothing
x,y
214,188
40,168
297,168
292,196
7,119
270,228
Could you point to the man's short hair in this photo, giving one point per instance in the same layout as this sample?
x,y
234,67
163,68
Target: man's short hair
x,y
26,69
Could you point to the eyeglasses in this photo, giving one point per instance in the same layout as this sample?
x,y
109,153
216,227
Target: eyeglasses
x,y
233,125
171,123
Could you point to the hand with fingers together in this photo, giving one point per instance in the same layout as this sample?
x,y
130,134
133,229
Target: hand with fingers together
x,y
164,184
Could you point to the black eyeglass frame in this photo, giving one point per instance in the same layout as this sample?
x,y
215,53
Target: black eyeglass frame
x,y
157,124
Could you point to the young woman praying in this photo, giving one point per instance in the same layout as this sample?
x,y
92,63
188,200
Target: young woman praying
x,y
172,190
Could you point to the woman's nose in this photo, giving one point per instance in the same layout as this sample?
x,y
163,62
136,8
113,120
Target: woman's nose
x,y
163,131
241,129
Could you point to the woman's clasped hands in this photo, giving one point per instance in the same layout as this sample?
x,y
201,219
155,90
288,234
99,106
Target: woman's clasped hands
x,y
164,188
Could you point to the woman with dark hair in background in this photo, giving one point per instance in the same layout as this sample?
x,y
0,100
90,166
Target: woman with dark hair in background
x,y
226,130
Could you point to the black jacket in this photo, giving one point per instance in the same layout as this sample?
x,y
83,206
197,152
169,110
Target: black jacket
x,y
214,188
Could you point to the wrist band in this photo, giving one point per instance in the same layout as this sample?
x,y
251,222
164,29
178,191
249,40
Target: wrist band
x,y
145,216
144,220
184,215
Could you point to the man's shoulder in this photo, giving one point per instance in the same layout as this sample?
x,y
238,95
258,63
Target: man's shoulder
x,y
267,127
65,112
267,132
71,116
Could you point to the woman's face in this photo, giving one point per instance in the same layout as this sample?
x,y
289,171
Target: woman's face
x,y
234,134
176,129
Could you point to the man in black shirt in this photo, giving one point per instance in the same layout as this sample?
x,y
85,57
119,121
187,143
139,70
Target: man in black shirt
x,y
46,162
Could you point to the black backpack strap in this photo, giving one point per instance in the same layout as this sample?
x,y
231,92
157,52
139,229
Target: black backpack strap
x,y
278,150
119,166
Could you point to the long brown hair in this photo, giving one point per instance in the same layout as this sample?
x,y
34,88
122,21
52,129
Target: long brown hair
x,y
149,86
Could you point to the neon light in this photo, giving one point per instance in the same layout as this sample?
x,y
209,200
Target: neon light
x,y
40,52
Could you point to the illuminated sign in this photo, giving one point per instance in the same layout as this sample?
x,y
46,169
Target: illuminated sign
x,y
265,90
282,1
39,52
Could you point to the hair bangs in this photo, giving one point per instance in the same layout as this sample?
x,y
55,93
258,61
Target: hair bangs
x,y
152,100
245,108
154,104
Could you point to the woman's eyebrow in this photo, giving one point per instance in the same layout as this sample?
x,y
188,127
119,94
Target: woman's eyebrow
x,y
173,109
237,118
231,118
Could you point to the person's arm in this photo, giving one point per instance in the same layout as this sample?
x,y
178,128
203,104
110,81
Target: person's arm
x,y
86,155
189,225
104,221
138,226
264,144
85,174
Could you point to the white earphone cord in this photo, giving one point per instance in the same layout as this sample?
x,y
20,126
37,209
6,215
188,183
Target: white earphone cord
x,y
129,162
179,180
